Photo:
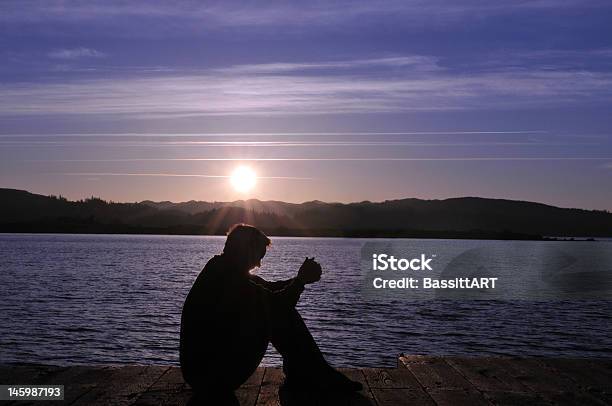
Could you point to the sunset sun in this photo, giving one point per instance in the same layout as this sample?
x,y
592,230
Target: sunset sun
x,y
243,179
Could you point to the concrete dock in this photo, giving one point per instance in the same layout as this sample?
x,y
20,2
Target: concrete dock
x,y
417,380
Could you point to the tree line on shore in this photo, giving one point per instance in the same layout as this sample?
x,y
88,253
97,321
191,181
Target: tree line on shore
x,y
465,217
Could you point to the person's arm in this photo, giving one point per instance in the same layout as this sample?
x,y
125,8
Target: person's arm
x,y
309,272
287,296
274,286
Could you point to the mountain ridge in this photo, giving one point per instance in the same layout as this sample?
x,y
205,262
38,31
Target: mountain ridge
x,y
457,217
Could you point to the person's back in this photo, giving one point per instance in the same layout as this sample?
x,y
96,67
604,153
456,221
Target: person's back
x,y
219,324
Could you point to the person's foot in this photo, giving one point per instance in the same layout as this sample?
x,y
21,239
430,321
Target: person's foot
x,y
338,382
333,381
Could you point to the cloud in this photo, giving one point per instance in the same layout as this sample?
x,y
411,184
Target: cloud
x,y
176,175
76,53
21,136
333,159
548,59
380,85
414,62
273,13
277,144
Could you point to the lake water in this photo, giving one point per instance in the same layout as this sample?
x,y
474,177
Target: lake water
x,y
100,299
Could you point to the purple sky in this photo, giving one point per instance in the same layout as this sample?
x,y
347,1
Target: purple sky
x,y
335,101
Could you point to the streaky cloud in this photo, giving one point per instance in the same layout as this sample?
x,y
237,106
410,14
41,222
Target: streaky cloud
x,y
334,159
257,134
255,90
282,144
174,175
76,53
414,62
195,15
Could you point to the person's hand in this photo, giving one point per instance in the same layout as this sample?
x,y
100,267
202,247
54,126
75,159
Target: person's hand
x,y
310,271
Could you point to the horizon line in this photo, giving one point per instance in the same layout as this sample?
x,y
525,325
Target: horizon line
x,y
313,201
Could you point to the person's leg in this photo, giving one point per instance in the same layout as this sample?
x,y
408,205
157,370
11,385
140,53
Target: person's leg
x,y
292,339
303,362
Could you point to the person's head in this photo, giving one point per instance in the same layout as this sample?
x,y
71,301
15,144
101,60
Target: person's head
x,y
245,246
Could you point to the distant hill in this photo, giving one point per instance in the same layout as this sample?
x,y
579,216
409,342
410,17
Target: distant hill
x,y
269,206
465,217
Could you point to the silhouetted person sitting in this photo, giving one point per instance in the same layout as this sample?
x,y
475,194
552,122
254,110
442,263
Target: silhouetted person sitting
x,y
230,316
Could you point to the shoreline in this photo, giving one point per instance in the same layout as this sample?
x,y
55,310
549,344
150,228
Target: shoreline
x,y
427,236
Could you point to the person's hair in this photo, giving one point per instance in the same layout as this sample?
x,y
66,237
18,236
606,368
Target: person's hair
x,y
245,244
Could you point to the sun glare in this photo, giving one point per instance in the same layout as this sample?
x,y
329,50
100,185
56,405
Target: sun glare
x,y
243,179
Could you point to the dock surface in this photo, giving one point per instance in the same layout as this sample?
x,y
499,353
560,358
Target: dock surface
x,y
417,380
